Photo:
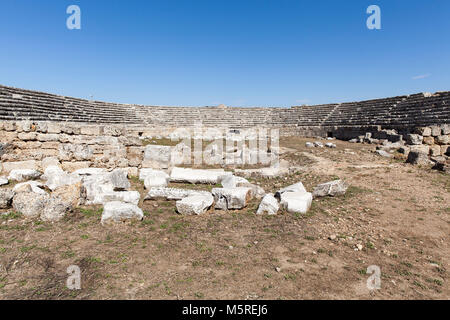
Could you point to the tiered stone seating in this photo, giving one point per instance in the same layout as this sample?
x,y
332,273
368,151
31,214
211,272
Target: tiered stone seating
x,y
412,110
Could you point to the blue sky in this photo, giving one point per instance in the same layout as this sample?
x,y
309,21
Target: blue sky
x,y
239,53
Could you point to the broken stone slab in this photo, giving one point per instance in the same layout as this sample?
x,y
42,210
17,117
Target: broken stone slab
x,y
188,175
6,196
231,198
414,139
443,140
445,129
3,181
172,193
29,164
231,181
255,190
24,174
156,156
119,180
155,182
56,177
296,187
267,173
49,161
34,186
436,131
89,171
332,188
423,131
330,145
309,145
55,209
195,205
269,205
418,158
116,211
132,197
148,172
296,202
30,204
69,193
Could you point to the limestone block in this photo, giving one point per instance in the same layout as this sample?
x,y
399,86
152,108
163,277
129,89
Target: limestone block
x,y
445,129
30,204
421,148
332,188
428,140
443,140
28,164
156,157
117,211
27,136
414,139
71,193
50,145
76,165
148,172
24,174
423,131
231,198
55,177
171,193
55,209
53,127
419,158
188,175
195,205
33,186
90,130
155,182
47,137
436,131
112,131
123,196
75,152
296,202
6,196
435,150
135,156
269,205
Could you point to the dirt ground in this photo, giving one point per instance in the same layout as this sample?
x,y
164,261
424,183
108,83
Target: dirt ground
x,y
398,213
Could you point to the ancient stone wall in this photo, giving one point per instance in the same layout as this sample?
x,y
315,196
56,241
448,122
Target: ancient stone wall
x,y
403,112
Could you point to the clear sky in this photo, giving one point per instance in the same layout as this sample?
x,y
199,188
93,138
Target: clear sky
x,y
235,52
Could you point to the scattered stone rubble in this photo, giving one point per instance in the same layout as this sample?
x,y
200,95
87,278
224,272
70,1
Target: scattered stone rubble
x,y
428,146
